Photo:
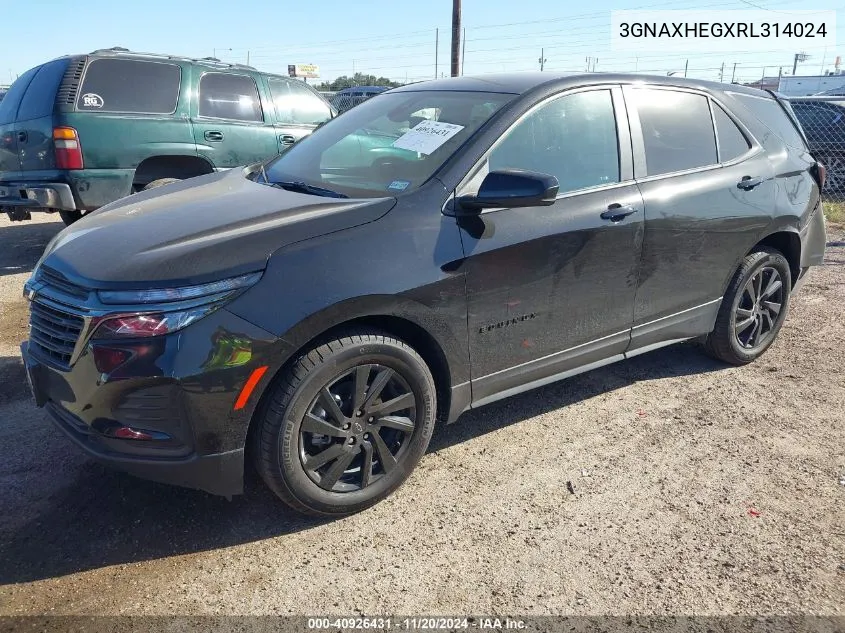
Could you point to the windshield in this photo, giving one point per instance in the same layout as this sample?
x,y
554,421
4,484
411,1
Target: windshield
x,y
390,144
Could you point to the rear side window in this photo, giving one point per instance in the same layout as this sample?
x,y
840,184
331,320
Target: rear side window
x,y
772,115
296,104
227,96
732,142
128,85
9,104
40,96
677,130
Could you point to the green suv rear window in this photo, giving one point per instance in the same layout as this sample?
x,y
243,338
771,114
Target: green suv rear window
x,y
128,85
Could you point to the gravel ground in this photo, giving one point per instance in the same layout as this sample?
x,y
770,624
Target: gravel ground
x,y
698,489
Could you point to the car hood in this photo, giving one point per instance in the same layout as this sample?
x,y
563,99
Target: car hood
x,y
190,232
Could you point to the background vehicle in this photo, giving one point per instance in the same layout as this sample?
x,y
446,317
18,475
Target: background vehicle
x,y
81,131
823,121
348,98
325,309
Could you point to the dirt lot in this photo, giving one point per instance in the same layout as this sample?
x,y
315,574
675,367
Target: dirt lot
x,y
699,489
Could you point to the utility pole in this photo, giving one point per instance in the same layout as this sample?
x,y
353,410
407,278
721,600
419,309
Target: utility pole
x,y
436,49
456,37
463,50
686,68
722,73
799,57
542,59
733,74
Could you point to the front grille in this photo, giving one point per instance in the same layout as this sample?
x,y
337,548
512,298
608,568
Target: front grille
x,y
53,333
54,279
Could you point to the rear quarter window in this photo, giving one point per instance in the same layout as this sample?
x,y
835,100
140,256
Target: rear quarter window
x,y
770,113
128,85
10,103
40,95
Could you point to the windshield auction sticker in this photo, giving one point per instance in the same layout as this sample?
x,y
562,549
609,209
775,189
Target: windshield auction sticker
x,y
425,137
690,31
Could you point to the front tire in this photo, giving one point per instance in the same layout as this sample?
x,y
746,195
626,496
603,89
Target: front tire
x,y
346,424
753,309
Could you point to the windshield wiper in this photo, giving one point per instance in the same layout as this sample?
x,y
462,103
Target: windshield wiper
x,y
303,187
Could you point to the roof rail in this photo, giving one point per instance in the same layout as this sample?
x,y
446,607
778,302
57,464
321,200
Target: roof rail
x,y
212,61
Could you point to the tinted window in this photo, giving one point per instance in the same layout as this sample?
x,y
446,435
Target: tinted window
x,y
732,142
773,116
295,103
572,138
225,96
39,98
127,85
10,103
677,130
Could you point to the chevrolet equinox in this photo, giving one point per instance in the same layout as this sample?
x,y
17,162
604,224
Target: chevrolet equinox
x,y
438,247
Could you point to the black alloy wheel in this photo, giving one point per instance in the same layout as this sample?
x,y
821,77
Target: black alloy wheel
x,y
345,425
357,428
753,308
759,307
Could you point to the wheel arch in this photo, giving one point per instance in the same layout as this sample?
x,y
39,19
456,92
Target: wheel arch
x,y
404,323
787,242
179,166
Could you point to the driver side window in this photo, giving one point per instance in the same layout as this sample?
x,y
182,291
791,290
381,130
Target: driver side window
x,y
572,138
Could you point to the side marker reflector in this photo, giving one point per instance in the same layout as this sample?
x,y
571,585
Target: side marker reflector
x,y
249,386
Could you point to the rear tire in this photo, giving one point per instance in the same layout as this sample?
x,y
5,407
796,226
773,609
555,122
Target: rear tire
x,y
753,309
346,424
69,217
160,182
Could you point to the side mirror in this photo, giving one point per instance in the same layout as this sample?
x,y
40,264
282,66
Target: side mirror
x,y
509,188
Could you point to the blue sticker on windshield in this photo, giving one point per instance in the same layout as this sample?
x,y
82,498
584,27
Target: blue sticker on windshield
x,y
398,185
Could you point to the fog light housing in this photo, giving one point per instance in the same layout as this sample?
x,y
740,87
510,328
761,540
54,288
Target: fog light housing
x,y
107,359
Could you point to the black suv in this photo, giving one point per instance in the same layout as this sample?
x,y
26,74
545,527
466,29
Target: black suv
x,y
81,131
436,248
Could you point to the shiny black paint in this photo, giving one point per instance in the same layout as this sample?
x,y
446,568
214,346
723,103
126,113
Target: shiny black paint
x,y
498,302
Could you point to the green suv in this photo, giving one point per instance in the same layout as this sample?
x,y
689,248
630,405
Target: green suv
x,y
81,131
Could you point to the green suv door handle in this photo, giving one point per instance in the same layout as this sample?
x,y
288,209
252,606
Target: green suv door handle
x,y
213,135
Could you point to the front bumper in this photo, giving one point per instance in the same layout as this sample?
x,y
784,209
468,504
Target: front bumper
x,y
180,388
218,473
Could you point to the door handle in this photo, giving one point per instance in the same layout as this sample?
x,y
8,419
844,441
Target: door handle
x,y
22,136
213,135
617,212
287,139
748,183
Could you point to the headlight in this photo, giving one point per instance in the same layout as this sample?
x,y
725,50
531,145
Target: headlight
x,y
144,325
201,300
213,291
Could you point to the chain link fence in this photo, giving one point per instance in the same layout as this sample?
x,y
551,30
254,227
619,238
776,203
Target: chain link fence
x,y
343,100
823,120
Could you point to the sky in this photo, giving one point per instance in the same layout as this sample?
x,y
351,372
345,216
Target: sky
x,y
391,38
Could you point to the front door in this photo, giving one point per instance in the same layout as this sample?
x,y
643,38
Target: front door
x,y
232,127
551,288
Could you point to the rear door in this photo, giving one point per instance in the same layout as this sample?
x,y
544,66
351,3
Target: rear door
x,y
9,160
232,127
35,120
298,110
706,198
